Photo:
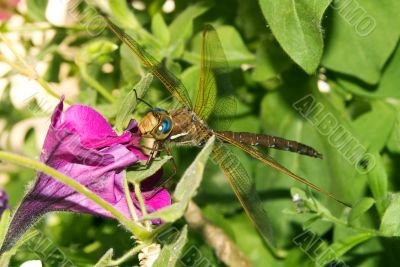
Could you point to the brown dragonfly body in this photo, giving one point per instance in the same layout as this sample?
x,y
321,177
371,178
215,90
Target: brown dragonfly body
x,y
189,124
270,141
189,130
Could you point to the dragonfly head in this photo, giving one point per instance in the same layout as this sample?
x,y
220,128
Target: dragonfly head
x,y
157,123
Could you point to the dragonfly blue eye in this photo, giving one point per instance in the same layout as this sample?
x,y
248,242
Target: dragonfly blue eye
x,y
165,126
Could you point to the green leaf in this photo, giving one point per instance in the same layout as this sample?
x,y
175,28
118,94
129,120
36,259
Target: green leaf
x,y
105,259
387,87
371,129
123,15
182,26
394,139
271,60
98,50
362,206
36,9
160,29
390,225
131,68
187,187
361,37
139,175
339,248
129,102
4,224
234,48
297,27
390,78
170,253
378,182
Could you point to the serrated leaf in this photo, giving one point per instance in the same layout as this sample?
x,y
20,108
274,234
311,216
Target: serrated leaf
x,y
297,27
186,188
170,253
139,175
105,259
390,225
129,102
362,206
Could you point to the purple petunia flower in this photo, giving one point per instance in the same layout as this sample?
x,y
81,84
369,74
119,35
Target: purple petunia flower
x,y
82,145
3,201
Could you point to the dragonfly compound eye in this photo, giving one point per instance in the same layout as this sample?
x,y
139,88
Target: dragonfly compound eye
x,y
165,126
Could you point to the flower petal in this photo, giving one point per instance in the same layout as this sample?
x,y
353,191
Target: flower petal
x,y
88,123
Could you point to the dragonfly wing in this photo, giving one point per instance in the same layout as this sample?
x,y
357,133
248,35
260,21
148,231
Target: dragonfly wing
x,y
214,76
244,189
170,81
271,162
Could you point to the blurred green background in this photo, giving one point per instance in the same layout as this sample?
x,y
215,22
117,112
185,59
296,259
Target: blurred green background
x,y
343,54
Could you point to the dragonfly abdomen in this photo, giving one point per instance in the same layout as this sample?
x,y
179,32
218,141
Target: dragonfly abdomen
x,y
272,142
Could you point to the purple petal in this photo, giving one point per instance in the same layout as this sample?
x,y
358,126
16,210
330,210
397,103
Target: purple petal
x,y
83,146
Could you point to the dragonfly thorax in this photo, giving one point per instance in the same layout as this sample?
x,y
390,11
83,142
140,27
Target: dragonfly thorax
x,y
188,129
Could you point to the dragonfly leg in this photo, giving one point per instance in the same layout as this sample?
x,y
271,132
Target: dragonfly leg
x,y
153,152
141,99
165,180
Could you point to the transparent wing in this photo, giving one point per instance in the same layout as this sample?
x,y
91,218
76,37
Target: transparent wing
x,y
214,80
271,162
170,81
244,189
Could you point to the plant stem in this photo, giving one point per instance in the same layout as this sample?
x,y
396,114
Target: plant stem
x,y
129,199
26,69
95,84
139,197
129,254
333,219
136,229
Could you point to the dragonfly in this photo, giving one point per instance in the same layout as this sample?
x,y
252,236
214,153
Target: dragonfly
x,y
188,125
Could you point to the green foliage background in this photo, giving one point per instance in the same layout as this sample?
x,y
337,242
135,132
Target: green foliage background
x,y
280,51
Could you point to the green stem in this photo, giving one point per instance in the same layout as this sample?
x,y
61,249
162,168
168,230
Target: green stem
x,y
129,254
95,84
29,28
15,66
136,229
26,69
139,197
129,199
333,219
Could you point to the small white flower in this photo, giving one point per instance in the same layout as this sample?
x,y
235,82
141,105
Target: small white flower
x,y
62,13
149,255
33,263
323,86
168,6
